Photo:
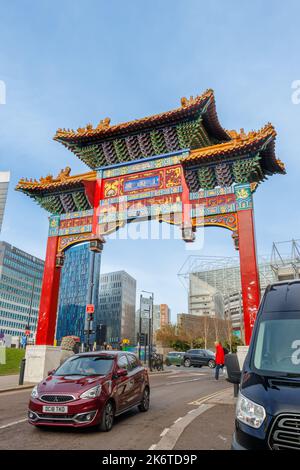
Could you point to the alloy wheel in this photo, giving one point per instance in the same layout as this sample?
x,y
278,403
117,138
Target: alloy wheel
x,y
109,415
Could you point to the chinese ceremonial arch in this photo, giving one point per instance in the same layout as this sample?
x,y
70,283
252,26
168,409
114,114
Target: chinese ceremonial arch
x,y
165,167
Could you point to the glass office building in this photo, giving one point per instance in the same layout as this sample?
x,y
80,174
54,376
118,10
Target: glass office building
x,y
20,289
73,291
117,306
4,180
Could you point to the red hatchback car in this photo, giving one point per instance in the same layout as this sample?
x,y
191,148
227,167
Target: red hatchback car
x,y
90,389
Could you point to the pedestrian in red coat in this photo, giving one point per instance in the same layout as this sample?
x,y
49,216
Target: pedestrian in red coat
x,y
220,358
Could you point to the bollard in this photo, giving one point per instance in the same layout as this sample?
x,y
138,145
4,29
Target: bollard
x,y
22,371
236,390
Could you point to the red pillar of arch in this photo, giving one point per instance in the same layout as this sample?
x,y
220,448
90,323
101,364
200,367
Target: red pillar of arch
x,y
249,270
49,296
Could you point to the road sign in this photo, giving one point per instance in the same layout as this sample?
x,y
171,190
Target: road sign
x,y
90,308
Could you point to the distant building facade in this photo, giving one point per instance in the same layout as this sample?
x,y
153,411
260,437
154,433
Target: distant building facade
x,y
143,322
73,292
165,315
20,290
4,181
117,306
188,322
217,291
204,299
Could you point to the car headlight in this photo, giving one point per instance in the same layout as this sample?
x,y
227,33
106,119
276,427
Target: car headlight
x,y
92,392
35,392
249,412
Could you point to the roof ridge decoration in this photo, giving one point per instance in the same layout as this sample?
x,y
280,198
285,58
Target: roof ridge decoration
x,y
239,141
63,178
104,124
193,124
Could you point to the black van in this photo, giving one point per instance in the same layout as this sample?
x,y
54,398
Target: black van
x,y
268,406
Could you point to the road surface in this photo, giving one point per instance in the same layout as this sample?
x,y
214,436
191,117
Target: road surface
x,y
173,397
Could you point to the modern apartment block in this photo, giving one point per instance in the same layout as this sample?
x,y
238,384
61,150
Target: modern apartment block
x,y
20,289
4,181
117,300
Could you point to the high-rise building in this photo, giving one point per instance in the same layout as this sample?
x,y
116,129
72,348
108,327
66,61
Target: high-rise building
x,y
117,306
73,292
165,315
20,289
144,321
4,180
156,317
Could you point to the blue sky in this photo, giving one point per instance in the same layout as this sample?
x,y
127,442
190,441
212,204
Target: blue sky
x,y
66,63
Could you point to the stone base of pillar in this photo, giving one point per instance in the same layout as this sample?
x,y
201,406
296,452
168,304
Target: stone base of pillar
x,y
242,352
39,361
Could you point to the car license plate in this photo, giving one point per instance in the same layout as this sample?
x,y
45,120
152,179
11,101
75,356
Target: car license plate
x,y
55,409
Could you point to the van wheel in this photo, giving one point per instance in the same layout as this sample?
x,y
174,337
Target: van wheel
x,y
187,363
145,403
211,364
107,419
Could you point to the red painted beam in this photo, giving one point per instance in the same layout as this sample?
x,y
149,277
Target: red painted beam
x,y
96,203
249,270
49,296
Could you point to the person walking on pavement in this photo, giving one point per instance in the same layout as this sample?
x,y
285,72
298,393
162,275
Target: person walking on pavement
x,y
220,359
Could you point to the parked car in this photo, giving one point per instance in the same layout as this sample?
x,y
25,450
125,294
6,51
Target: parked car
x,y
268,407
174,359
90,389
199,358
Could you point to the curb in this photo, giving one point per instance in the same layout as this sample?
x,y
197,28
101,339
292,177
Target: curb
x,y
16,389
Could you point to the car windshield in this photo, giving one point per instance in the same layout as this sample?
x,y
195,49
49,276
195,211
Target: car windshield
x,y
86,365
277,347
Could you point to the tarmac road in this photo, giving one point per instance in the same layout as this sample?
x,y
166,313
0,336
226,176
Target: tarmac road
x,y
173,397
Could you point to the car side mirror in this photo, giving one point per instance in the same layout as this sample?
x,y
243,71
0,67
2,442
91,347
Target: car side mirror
x,y
233,368
51,372
122,372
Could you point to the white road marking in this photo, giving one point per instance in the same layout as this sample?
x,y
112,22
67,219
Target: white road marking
x,y
13,423
168,441
164,432
188,375
182,381
170,437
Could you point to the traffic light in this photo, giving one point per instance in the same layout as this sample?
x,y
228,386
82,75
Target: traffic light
x,y
143,339
96,245
90,316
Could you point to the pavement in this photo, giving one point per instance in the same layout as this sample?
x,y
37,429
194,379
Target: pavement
x,y
189,410
11,382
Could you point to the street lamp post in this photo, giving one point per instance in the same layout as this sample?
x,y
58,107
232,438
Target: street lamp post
x,y
90,297
140,326
150,328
